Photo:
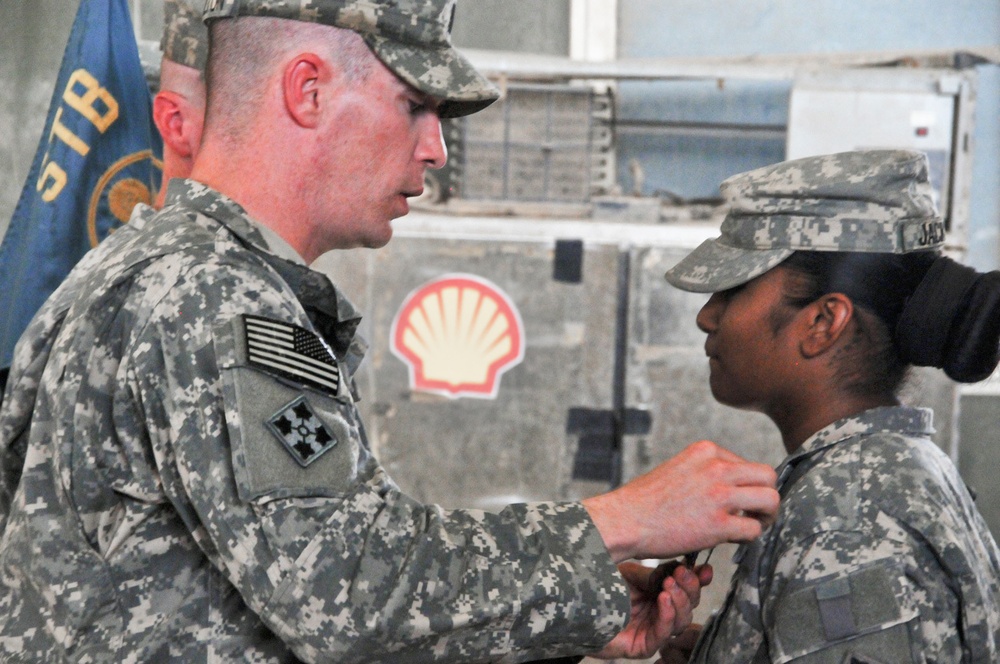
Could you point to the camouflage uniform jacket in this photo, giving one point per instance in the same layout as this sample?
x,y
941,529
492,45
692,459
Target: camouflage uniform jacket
x,y
169,492
878,555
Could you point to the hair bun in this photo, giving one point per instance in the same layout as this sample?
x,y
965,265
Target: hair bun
x,y
973,348
923,325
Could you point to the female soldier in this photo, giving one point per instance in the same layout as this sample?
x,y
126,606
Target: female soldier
x,y
827,284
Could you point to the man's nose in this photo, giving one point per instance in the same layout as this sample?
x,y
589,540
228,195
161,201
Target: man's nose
x,y
431,148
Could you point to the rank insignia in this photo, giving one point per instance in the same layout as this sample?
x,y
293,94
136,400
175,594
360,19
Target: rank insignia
x,y
301,431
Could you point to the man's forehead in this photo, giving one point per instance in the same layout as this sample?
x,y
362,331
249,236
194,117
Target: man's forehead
x,y
406,88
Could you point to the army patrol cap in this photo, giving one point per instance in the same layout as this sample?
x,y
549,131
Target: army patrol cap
x,y
868,201
185,36
411,37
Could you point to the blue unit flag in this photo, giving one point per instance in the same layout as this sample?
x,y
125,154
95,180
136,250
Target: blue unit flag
x,y
98,156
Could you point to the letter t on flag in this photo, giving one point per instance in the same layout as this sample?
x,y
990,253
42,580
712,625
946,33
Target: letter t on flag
x,y
98,157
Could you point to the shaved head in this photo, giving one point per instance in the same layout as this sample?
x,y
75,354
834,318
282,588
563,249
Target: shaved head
x,y
246,51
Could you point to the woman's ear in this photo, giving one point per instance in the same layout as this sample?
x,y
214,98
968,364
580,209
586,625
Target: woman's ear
x,y
826,320
301,86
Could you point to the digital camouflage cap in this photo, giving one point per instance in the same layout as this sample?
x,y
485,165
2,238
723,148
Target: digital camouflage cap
x,y
869,201
185,37
411,37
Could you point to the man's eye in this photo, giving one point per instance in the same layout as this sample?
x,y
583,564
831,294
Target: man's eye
x,y
416,106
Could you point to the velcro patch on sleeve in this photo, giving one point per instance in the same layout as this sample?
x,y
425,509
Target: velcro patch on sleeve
x,y
291,433
853,611
291,352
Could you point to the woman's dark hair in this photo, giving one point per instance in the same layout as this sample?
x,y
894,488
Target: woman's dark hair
x,y
925,310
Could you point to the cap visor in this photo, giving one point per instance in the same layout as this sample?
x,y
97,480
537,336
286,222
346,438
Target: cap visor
x,y
714,267
442,73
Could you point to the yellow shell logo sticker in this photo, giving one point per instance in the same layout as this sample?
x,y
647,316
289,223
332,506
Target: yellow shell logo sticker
x,y
458,334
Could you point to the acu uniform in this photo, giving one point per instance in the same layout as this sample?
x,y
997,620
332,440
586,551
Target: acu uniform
x,y
184,478
878,556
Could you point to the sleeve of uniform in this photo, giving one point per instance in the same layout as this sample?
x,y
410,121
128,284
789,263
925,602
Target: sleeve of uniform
x,y
268,465
846,596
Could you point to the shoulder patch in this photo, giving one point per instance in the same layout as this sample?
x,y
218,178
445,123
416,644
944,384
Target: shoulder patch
x,y
291,352
301,431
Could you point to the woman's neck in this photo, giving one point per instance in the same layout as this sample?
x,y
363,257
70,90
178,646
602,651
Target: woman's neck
x,y
796,426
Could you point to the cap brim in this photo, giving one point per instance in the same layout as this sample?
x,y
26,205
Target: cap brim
x,y
442,73
714,266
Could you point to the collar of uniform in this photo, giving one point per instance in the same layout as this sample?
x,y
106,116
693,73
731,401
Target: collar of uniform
x,y
313,288
141,213
277,244
899,419
229,213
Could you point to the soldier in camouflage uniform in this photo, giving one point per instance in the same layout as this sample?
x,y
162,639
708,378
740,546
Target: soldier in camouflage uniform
x,y
183,475
827,284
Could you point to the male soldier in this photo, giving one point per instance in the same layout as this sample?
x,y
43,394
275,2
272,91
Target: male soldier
x,y
184,476
179,105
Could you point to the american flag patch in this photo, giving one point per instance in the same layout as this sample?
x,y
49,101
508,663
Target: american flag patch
x,y
292,352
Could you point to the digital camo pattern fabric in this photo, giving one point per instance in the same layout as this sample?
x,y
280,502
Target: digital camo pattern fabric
x,y
411,37
185,36
868,200
150,513
878,555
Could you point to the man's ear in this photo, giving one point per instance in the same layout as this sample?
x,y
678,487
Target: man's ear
x,y
826,319
170,113
301,87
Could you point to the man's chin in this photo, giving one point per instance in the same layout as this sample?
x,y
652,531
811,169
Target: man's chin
x,y
378,241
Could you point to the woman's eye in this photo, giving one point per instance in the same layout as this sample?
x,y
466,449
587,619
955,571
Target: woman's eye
x,y
730,292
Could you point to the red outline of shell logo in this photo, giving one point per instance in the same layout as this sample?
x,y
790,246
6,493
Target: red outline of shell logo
x,y
458,334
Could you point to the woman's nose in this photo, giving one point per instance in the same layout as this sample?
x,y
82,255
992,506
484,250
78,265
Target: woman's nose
x,y
708,316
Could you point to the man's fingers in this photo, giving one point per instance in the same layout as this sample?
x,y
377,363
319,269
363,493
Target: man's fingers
x,y
686,640
655,583
689,583
755,500
678,649
742,528
675,604
720,452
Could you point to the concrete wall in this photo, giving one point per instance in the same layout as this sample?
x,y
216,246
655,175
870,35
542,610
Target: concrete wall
x,y
653,28
33,36
984,209
513,25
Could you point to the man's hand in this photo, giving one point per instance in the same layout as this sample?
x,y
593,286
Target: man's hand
x,y
704,496
678,649
658,611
